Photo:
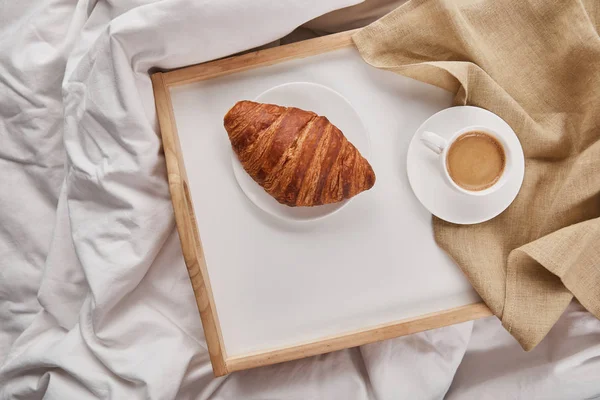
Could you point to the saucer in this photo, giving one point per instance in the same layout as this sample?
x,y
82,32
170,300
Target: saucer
x,y
323,101
428,182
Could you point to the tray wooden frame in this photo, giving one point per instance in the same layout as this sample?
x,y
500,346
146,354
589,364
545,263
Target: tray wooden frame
x,y
190,237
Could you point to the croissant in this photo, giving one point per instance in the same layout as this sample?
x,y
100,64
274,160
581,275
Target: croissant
x,y
298,157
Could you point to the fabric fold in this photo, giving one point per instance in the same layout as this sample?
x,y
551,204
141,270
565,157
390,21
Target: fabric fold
x,y
536,64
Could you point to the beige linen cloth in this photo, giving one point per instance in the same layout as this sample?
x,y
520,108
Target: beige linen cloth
x,y
536,64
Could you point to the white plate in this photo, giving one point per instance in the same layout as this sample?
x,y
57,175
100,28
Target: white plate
x,y
323,101
435,193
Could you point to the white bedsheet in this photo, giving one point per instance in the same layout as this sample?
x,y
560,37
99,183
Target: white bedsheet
x,y
95,301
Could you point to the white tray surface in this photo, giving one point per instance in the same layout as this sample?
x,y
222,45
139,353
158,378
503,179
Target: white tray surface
x,y
277,284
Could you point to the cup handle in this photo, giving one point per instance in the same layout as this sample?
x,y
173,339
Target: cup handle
x,y
434,142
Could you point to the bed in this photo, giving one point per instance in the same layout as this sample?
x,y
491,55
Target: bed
x,y
95,300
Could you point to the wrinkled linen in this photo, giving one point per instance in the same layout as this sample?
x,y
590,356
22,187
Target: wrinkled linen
x,y
536,64
95,301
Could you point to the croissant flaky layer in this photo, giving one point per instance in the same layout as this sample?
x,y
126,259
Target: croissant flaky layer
x,y
298,157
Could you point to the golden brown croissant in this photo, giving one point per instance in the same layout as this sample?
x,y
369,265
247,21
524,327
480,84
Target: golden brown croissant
x,y
298,157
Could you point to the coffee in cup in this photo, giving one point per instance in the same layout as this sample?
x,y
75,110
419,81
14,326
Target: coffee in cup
x,y
475,160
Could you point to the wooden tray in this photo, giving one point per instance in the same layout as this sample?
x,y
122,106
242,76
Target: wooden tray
x,y
276,301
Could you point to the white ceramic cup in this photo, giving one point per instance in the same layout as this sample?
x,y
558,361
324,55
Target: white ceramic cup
x,y
440,146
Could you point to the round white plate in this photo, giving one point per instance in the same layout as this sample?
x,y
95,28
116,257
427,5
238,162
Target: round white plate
x,y
323,101
427,180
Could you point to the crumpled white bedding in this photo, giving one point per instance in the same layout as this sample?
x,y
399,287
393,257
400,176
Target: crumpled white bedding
x,y
95,301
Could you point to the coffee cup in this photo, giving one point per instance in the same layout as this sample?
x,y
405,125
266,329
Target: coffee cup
x,y
475,160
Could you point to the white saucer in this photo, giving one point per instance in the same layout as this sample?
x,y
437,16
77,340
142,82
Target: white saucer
x,y
323,101
429,185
